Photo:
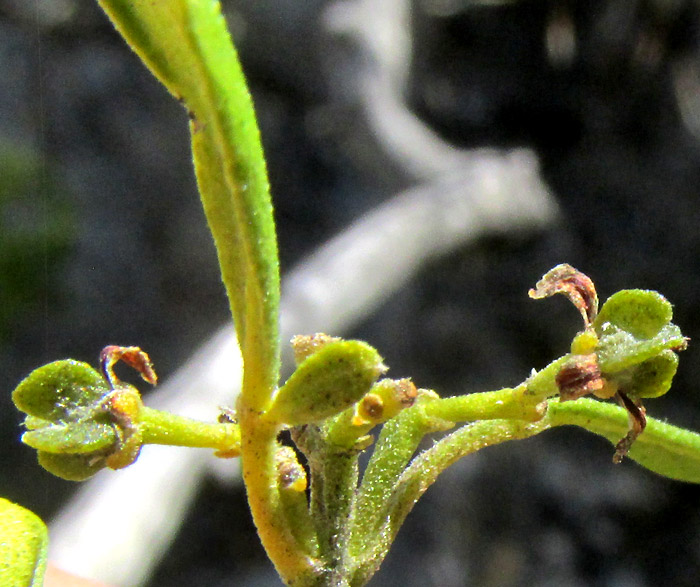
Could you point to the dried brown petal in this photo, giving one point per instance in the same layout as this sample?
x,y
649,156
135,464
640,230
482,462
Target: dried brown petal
x,y
576,286
132,356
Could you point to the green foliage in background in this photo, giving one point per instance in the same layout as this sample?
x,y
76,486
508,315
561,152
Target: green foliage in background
x,y
36,231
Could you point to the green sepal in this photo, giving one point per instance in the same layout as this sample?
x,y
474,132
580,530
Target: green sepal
x,y
24,541
62,391
633,327
72,467
618,350
326,383
653,377
83,437
640,312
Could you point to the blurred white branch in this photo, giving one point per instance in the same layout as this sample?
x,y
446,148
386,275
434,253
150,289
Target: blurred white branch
x,y
345,279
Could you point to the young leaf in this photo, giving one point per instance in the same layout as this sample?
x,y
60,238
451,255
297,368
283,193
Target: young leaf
x,y
327,382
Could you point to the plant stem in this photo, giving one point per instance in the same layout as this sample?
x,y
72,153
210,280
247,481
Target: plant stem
x,y
396,445
291,558
421,473
334,475
159,427
506,403
400,437
186,45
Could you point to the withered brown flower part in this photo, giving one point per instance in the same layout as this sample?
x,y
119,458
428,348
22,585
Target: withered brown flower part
x,y
132,356
290,474
577,286
638,422
579,377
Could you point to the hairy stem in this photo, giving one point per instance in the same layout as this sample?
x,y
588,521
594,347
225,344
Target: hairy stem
x,y
159,427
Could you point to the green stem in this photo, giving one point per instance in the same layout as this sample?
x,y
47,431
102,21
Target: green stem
x,y
665,449
506,404
186,45
293,561
542,384
422,473
401,436
159,427
334,474
397,443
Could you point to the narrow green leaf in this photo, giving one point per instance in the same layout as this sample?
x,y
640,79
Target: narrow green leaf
x,y
397,442
186,45
662,448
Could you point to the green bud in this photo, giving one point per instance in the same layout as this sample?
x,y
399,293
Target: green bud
x,y
24,541
327,382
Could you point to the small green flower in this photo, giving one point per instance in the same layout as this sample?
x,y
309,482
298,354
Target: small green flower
x,y
626,351
78,420
638,342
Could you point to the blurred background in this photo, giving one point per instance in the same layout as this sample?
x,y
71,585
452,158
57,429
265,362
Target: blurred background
x,y
102,241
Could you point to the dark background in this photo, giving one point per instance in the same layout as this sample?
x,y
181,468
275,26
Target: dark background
x,y
102,240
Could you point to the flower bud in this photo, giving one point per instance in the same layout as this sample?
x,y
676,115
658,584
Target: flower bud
x,y
386,399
